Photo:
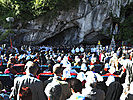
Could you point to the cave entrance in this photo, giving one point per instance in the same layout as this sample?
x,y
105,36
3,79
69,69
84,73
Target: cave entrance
x,y
66,37
105,40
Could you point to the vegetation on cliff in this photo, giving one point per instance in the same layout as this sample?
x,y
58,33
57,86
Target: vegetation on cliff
x,y
27,10
30,9
126,25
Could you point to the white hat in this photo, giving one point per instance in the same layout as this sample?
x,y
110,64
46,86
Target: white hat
x,y
110,80
81,76
66,73
99,77
83,67
112,70
91,66
90,77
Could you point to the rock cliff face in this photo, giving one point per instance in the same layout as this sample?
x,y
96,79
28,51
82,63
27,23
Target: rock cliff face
x,y
73,26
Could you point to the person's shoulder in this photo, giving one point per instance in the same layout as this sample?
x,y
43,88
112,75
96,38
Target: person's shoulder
x,y
55,83
25,77
36,82
100,91
18,79
80,73
63,82
53,86
46,82
35,79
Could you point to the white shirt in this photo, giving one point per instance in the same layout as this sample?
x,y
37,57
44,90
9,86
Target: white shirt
x,y
49,87
76,96
87,90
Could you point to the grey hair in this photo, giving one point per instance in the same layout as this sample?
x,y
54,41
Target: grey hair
x,y
31,67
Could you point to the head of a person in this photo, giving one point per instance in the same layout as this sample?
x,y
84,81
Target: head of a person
x,y
83,67
31,67
57,69
75,85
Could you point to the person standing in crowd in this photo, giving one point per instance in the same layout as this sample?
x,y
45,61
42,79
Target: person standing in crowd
x,y
42,58
73,51
91,68
81,49
81,75
92,89
77,50
57,89
114,91
29,80
114,62
50,60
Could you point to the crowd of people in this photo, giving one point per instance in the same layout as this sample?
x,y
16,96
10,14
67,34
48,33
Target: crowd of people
x,y
66,73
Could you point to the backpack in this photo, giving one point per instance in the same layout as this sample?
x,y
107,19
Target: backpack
x,y
25,93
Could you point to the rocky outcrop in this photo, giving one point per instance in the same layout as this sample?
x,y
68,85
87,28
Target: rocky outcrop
x,y
74,26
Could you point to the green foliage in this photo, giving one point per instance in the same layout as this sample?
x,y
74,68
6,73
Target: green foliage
x,y
4,35
30,9
67,4
126,27
25,10
5,11
17,8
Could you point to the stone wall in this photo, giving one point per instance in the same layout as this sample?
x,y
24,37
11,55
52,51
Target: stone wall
x,y
73,26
